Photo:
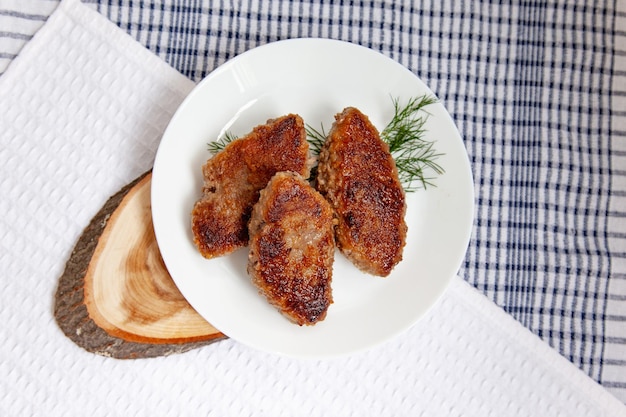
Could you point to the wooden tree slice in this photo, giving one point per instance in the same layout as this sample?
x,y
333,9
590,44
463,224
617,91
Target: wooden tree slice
x,y
115,297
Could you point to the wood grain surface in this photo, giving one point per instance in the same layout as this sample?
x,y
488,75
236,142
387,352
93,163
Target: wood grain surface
x,y
115,297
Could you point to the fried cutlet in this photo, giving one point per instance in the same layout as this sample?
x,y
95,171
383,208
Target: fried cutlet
x,y
234,177
292,248
358,176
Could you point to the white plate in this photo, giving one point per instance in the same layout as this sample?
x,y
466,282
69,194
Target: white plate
x,y
315,78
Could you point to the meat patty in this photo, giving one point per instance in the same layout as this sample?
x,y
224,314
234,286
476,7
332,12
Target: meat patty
x,y
358,176
234,177
292,248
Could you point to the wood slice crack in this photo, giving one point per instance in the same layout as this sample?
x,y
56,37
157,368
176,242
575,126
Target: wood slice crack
x,y
115,297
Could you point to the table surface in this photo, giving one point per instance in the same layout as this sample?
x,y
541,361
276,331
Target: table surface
x,y
538,92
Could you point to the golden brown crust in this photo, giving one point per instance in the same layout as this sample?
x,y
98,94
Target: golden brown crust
x,y
292,248
234,177
358,175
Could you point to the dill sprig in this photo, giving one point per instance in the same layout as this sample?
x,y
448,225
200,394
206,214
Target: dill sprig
x,y
316,138
216,146
414,156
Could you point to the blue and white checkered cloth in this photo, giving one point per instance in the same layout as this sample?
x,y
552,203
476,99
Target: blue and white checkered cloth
x,y
538,91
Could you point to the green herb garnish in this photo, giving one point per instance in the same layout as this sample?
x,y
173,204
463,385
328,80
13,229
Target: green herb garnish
x,y
414,156
316,138
216,146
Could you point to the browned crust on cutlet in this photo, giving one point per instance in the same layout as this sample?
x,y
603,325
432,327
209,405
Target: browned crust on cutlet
x,y
358,176
292,248
234,177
